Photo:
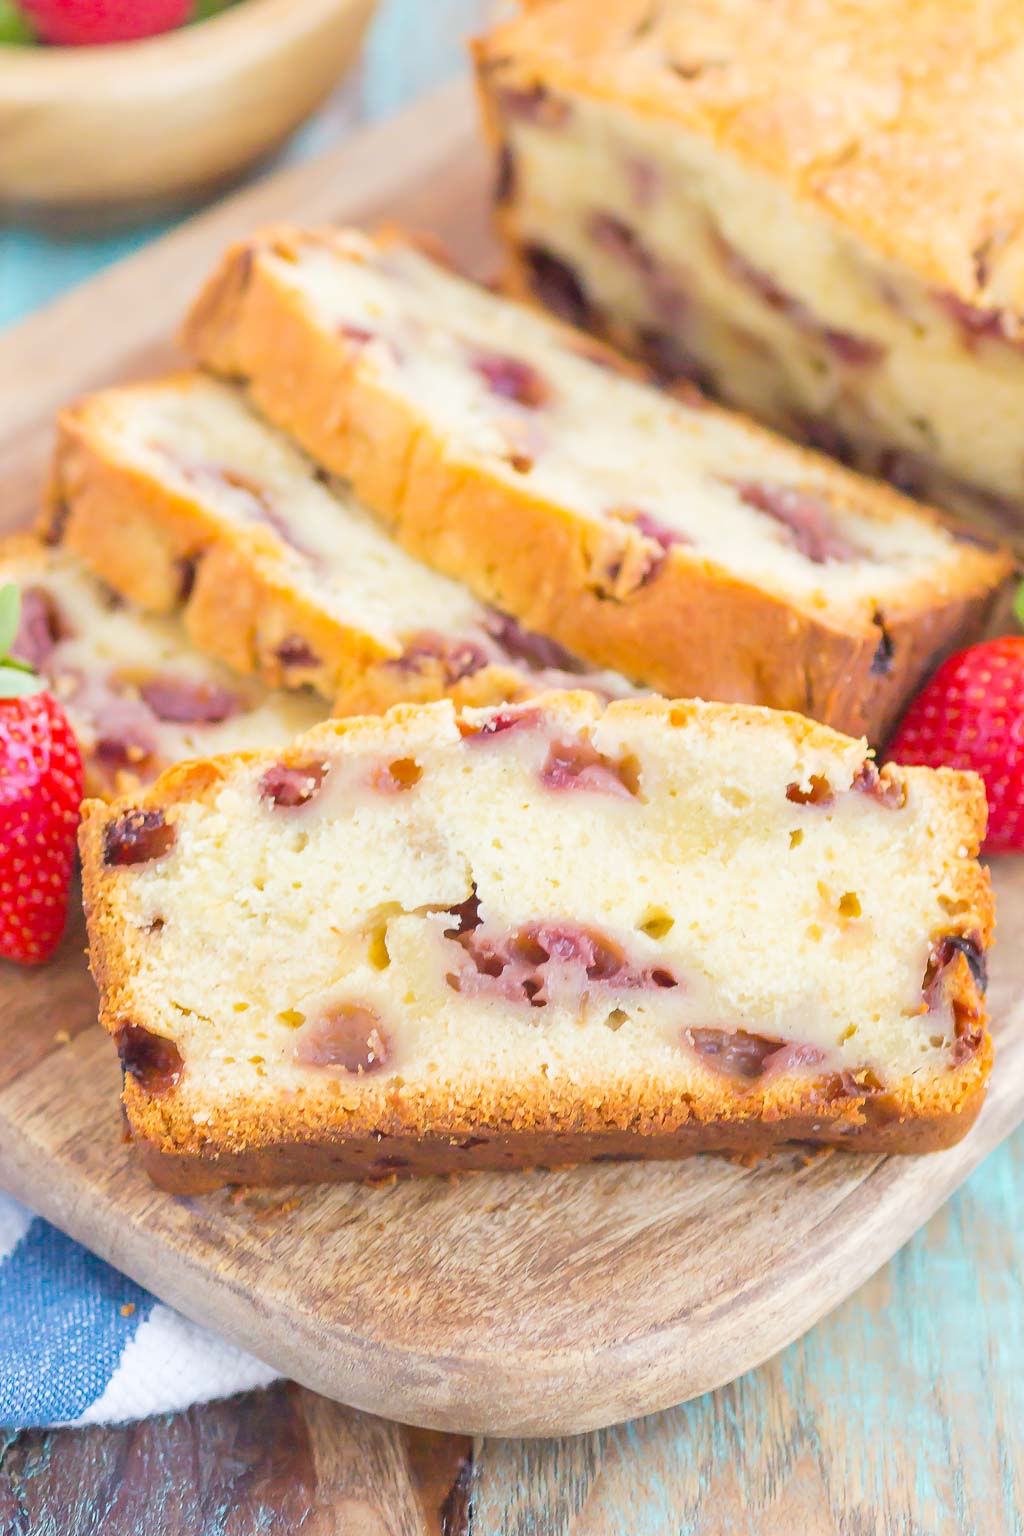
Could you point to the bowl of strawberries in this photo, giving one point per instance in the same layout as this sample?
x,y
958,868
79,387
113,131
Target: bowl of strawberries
x,y
136,105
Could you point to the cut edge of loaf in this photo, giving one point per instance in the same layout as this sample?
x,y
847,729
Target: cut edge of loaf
x,y
24,550
388,1133
162,551
855,675
27,562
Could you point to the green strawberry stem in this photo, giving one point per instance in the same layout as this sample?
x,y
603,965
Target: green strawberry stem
x,y
204,9
16,677
1018,606
15,29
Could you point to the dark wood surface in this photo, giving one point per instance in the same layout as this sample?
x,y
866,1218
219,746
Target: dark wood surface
x,y
279,1461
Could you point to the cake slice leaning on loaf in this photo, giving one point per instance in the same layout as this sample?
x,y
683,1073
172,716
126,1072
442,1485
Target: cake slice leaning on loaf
x,y
675,542
136,694
179,496
544,933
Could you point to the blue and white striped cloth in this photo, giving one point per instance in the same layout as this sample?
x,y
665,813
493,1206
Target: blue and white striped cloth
x,y
82,1344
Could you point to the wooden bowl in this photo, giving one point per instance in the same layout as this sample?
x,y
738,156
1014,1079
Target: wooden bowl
x,y
156,121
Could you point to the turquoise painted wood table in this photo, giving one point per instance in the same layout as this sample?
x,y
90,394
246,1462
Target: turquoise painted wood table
x,y
903,1412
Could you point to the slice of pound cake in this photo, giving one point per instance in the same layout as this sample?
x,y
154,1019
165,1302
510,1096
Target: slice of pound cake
x,y
811,208
671,541
137,696
549,932
182,498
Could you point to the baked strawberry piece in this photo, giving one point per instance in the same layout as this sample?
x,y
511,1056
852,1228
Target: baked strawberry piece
x,y
543,932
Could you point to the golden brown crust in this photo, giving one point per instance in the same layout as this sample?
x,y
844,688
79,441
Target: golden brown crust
x,y
902,123
22,548
694,630
326,1134
162,550
533,1123
868,1125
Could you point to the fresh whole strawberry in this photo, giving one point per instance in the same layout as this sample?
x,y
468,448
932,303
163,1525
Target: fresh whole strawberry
x,y
40,796
82,23
971,715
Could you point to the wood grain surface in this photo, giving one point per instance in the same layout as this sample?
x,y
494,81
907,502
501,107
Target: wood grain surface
x,y
283,1460
550,1302
897,1416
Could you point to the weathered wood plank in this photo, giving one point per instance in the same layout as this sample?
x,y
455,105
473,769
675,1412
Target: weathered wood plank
x,y
897,1414
279,1461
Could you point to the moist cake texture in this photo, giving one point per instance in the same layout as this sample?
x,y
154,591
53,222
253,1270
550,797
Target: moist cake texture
x,y
138,697
811,209
670,540
178,495
545,932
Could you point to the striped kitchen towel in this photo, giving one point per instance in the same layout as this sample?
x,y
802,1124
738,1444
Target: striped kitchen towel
x,y
81,1344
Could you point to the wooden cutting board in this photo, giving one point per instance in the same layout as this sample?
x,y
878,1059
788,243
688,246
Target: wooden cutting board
x,y
507,1304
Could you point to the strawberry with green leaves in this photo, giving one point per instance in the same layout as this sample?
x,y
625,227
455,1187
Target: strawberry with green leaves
x,y
40,797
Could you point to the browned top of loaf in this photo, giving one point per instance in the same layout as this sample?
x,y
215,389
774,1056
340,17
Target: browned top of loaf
x,y
903,120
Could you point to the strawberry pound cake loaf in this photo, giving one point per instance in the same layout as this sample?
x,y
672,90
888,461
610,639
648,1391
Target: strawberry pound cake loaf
x,y
545,933
178,495
136,694
811,209
671,541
